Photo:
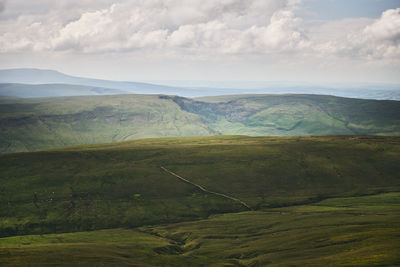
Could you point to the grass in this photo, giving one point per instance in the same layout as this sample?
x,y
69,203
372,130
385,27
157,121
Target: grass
x,y
331,200
323,234
55,122
43,123
293,115
122,185
352,231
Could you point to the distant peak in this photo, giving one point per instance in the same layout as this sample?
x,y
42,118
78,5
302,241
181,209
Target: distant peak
x,y
30,70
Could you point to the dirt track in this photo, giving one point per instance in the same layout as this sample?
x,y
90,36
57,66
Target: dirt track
x,y
205,190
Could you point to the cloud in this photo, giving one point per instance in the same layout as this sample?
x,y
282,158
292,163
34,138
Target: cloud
x,y
283,33
383,36
387,28
2,5
220,26
203,28
278,34
379,40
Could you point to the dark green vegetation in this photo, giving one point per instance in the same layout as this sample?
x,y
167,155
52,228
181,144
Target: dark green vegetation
x,y
356,231
32,124
315,201
122,184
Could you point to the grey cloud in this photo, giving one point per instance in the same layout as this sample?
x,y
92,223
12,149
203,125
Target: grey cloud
x,y
2,5
65,9
201,28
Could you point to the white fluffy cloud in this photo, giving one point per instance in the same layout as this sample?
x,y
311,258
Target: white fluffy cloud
x,y
226,26
373,40
196,27
382,38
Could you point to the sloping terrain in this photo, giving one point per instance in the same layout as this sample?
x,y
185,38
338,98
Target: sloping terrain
x,y
314,200
32,124
356,231
41,123
123,184
292,115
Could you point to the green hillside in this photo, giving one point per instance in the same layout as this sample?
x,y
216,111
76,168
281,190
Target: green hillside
x,y
357,231
293,115
313,200
32,124
122,184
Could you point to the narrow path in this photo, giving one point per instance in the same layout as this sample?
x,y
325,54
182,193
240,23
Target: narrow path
x,y
205,190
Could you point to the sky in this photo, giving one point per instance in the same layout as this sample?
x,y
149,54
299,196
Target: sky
x,y
317,41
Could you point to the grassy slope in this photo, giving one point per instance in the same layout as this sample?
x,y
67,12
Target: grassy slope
x,y
32,124
291,115
44,123
357,231
121,184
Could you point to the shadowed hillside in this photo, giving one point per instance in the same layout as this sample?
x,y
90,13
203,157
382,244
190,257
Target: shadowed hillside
x,y
291,115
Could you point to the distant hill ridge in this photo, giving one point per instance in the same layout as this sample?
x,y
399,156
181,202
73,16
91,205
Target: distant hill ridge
x,y
42,79
38,76
54,90
42,123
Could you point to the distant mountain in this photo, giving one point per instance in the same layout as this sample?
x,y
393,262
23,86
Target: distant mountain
x,y
41,123
54,90
36,76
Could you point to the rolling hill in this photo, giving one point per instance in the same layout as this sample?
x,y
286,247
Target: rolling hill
x,y
53,122
123,184
290,115
313,200
42,123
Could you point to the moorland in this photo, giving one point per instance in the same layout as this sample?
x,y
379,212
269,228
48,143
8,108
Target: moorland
x,y
329,200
